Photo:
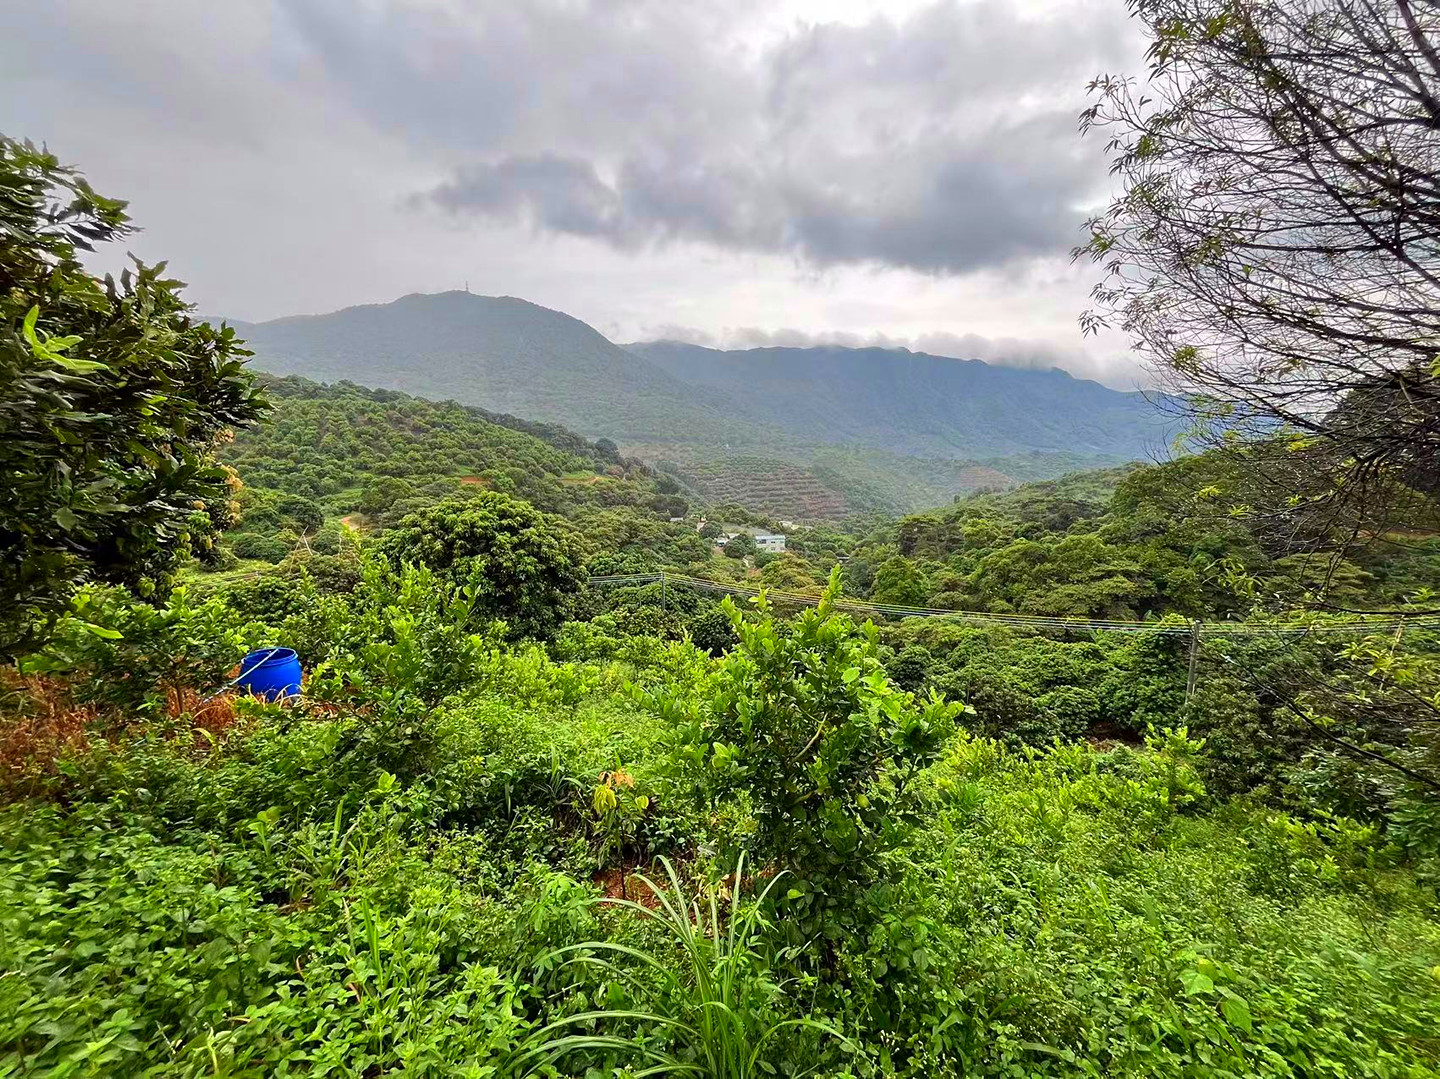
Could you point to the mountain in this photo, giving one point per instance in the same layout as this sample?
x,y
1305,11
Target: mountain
x,y
915,404
498,352
869,430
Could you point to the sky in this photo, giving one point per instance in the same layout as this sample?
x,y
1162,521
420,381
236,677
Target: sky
x,y
734,174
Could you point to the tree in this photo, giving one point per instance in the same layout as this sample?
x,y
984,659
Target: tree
x,y
1275,251
112,404
526,566
712,632
740,545
384,493
302,514
900,581
806,726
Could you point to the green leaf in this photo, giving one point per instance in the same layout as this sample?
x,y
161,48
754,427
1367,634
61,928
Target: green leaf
x,y
1195,982
1237,1013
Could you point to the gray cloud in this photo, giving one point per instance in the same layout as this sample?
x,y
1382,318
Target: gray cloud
x,y
944,143
563,194
632,162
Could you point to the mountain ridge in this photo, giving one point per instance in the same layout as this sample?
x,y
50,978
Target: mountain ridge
x,y
902,418
504,354
916,403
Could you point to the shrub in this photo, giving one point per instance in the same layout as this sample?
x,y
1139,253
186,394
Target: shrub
x,y
807,729
524,566
130,658
261,548
712,632
327,540
911,667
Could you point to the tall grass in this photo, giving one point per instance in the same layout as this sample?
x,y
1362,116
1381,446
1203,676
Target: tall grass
x,y
717,1006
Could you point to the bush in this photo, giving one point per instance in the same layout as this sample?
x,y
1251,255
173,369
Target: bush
x,y
807,729
271,598
712,631
327,540
261,548
519,565
130,658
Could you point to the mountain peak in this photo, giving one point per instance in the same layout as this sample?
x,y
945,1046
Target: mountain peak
x,y
510,355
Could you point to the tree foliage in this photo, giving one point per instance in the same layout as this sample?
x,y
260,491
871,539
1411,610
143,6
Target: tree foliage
x,y
1275,250
806,724
112,404
527,568
740,545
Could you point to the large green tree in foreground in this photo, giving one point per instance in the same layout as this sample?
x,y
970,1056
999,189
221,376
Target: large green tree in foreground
x,y
112,402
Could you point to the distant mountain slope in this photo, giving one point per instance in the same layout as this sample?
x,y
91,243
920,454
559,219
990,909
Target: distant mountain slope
x,y
872,429
916,404
501,353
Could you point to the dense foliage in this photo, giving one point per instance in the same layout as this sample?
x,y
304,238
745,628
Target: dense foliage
x,y
112,403
513,562
396,873
523,823
325,440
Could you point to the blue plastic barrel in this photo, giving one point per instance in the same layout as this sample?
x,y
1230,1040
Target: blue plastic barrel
x,y
270,673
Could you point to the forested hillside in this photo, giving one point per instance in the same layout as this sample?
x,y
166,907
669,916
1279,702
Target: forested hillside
x,y
344,453
912,404
859,430
349,733
498,352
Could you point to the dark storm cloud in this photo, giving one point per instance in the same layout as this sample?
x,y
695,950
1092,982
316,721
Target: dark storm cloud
x,y
555,193
945,143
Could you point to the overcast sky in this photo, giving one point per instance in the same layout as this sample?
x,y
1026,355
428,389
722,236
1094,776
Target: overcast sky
x,y
730,173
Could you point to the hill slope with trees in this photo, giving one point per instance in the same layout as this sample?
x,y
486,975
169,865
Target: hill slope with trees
x,y
498,352
875,429
914,404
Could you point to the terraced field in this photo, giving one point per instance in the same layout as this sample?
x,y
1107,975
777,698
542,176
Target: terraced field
x,y
769,486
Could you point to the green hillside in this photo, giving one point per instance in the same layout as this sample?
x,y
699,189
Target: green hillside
x,y
501,353
323,441
917,405
328,454
855,430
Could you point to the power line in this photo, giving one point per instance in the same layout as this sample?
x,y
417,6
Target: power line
x,y
1381,624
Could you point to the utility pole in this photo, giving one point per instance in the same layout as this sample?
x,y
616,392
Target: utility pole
x,y
1194,655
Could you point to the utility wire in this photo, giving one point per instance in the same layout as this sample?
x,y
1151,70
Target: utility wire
x,y
1384,624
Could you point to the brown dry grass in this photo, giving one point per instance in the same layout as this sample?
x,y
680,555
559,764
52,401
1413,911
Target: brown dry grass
x,y
41,724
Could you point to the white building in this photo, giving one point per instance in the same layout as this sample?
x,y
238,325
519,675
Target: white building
x,y
773,542
768,542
